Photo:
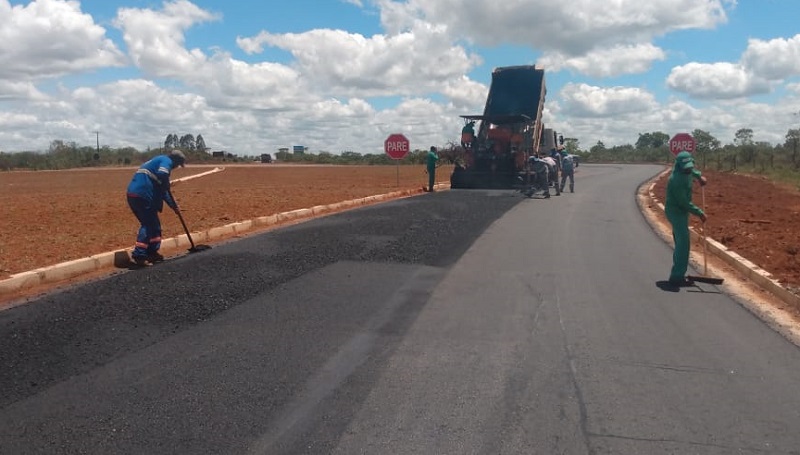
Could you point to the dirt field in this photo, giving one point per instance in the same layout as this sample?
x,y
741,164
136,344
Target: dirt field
x,y
52,217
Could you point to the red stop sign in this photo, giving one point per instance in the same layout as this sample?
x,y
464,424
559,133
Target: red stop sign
x,y
396,146
682,142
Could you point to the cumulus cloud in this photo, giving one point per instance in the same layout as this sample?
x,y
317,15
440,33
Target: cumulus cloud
x,y
716,80
599,39
48,38
573,27
465,93
590,101
350,64
155,39
156,43
606,62
775,59
762,67
19,90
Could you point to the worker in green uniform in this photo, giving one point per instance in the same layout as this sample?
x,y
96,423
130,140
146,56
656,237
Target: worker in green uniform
x,y
432,159
678,207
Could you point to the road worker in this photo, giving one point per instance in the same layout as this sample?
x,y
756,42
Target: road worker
x,y
468,134
567,170
678,207
552,175
540,176
431,163
147,192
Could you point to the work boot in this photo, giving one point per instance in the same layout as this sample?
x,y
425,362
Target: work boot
x,y
141,261
155,257
681,282
572,188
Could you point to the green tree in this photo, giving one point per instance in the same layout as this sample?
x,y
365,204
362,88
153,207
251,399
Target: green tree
x,y
171,142
706,143
187,142
792,143
200,143
572,146
655,140
597,148
744,140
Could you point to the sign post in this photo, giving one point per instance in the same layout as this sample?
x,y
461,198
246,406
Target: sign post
x,y
682,142
396,146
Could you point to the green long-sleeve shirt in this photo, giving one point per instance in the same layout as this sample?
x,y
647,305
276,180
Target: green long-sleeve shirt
x,y
679,192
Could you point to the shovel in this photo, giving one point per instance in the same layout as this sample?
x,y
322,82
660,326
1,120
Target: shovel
x,y
194,248
704,278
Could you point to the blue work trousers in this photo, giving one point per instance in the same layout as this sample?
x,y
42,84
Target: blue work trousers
x,y
148,240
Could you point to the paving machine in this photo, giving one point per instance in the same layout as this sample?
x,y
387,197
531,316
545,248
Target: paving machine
x,y
509,132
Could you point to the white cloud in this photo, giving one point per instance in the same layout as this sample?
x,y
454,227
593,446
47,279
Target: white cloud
x,y
155,39
775,59
19,90
716,81
762,67
412,62
48,38
17,120
572,28
466,94
583,100
607,62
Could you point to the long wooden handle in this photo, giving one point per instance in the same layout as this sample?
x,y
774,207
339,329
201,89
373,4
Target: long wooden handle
x,y
703,232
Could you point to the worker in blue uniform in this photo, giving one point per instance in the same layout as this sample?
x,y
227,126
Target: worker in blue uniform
x,y
147,192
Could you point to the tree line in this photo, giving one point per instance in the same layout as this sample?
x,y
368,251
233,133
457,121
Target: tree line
x,y
743,154
652,147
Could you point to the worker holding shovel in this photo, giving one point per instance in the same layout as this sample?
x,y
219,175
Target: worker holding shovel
x,y
146,193
678,207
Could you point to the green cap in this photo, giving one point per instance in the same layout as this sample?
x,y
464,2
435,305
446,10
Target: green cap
x,y
685,160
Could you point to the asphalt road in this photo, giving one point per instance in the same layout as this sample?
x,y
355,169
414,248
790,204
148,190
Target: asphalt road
x,y
456,322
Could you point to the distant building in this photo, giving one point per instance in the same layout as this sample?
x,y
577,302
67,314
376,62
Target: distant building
x,y
223,155
299,149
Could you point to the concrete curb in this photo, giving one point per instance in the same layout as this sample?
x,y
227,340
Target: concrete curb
x,y
120,258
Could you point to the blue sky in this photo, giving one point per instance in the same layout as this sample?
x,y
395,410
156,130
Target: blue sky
x,y
338,75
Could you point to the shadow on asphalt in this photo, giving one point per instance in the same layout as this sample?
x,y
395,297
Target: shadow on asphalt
x,y
666,286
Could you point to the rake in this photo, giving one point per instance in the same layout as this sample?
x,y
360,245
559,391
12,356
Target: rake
x,y
704,278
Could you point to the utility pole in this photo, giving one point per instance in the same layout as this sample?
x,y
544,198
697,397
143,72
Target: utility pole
x,y
98,141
